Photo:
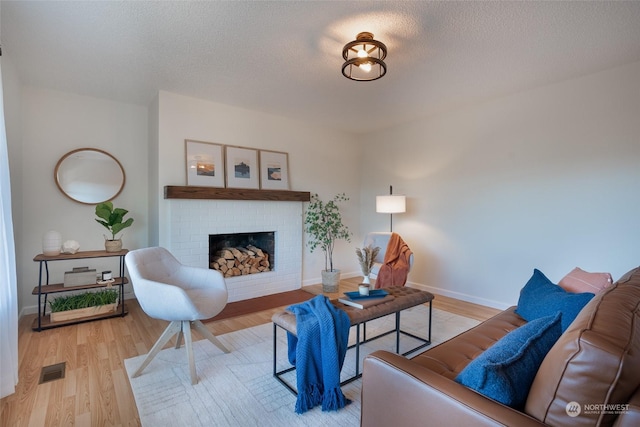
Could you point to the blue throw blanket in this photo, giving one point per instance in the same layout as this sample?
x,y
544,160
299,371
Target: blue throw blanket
x,y
318,353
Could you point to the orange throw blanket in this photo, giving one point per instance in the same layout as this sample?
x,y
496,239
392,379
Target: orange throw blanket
x,y
395,267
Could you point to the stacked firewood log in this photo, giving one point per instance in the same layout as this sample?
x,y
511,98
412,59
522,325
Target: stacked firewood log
x,y
240,261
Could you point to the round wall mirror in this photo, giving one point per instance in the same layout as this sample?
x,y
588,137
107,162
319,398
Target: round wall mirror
x,y
89,175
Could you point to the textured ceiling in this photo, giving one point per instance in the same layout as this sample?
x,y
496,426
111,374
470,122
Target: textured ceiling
x,y
284,58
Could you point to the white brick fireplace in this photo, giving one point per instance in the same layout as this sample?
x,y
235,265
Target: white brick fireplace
x,y
192,221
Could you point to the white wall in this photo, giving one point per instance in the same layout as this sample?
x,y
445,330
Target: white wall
x,y
54,123
547,179
154,181
320,161
544,179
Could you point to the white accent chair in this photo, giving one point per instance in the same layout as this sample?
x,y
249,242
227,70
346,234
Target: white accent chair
x,y
182,295
380,239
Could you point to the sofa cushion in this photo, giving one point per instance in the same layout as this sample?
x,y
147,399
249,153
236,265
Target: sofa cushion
x,y
505,371
452,356
596,361
540,298
579,280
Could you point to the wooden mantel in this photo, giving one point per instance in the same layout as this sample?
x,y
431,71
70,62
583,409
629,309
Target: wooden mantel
x,y
193,192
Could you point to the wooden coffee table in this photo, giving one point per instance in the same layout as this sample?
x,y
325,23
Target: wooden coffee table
x,y
404,298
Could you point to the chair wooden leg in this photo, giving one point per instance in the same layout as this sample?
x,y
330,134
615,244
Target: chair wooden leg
x,y
182,328
188,343
179,339
208,335
164,338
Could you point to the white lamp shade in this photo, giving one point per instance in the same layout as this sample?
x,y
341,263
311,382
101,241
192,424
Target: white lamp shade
x,y
391,204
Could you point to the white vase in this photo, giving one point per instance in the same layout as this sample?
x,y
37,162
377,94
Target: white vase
x,y
51,243
366,280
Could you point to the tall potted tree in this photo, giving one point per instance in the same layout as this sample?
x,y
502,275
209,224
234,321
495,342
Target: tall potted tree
x,y
323,223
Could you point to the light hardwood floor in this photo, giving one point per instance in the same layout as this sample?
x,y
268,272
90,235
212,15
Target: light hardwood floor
x,y
95,390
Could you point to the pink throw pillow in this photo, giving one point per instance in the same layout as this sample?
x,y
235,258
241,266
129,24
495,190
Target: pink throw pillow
x,y
579,280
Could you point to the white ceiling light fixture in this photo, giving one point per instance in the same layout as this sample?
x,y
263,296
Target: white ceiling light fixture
x,y
364,58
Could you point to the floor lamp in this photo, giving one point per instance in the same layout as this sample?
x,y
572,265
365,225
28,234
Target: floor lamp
x,y
391,204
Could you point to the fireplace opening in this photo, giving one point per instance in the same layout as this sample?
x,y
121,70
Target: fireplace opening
x,y
239,254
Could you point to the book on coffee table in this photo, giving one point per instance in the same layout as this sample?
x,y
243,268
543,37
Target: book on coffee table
x,y
366,302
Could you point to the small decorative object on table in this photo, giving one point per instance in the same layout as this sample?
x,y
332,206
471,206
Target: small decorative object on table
x,y
106,278
111,219
51,242
363,288
366,258
70,247
79,276
357,300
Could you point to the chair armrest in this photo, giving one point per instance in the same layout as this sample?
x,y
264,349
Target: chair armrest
x,y
399,392
197,277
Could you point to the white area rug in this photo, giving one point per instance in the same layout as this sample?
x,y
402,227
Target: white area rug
x,y
238,389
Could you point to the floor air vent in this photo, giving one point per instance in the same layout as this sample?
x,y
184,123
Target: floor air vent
x,y
52,372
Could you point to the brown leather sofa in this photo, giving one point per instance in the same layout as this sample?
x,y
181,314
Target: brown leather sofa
x,y
594,367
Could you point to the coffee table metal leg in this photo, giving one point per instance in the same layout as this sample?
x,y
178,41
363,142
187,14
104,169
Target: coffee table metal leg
x,y
278,374
430,306
397,332
275,353
425,342
357,350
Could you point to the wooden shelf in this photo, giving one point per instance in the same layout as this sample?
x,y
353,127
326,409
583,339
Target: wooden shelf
x,y
79,255
44,288
193,192
46,322
59,287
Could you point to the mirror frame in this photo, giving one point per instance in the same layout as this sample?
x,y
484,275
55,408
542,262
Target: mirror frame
x,y
70,153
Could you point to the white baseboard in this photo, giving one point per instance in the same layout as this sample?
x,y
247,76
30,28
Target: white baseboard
x,y
458,295
317,280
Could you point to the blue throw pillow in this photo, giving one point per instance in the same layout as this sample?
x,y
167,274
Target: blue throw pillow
x,y
540,297
505,371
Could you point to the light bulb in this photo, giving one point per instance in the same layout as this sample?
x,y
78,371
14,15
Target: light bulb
x,y
366,67
362,53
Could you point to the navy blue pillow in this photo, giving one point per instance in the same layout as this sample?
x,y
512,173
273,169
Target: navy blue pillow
x,y
505,371
540,297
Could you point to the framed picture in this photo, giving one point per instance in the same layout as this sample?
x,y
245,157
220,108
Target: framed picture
x,y
205,165
242,167
274,170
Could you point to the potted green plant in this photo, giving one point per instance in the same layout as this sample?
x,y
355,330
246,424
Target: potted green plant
x,y
323,223
112,220
87,304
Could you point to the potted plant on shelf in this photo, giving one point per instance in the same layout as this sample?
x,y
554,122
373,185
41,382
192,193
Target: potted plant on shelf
x,y
112,220
323,223
366,258
83,305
